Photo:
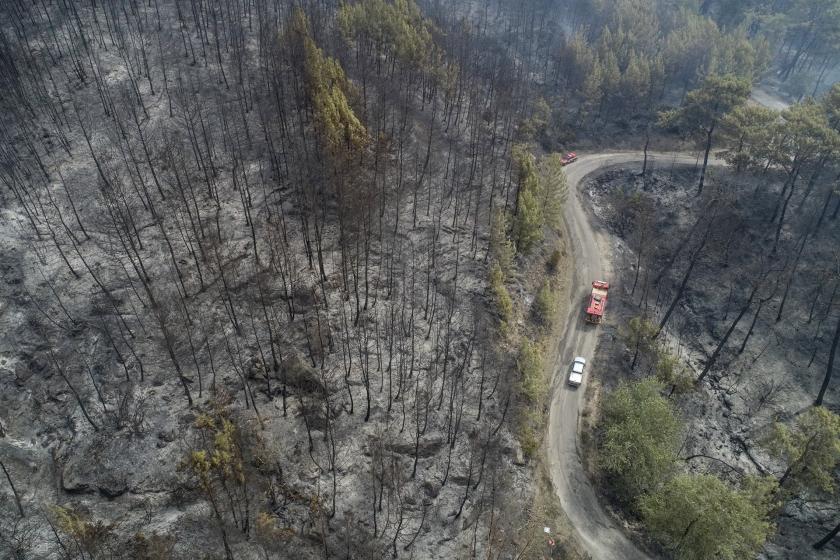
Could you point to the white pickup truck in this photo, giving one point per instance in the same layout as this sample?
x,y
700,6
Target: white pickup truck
x,y
576,375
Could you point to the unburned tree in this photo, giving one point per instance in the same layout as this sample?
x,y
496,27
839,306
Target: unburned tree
x,y
703,110
809,451
699,516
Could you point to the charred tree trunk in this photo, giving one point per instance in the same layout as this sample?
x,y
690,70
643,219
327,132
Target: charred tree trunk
x,y
826,539
709,134
681,290
711,361
829,370
14,490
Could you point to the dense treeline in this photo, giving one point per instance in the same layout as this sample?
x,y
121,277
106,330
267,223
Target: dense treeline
x,y
619,62
804,34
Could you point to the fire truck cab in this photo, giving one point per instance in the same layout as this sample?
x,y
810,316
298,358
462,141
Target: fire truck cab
x,y
597,301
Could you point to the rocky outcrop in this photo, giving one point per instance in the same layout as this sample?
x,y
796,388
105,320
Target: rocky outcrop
x,y
109,465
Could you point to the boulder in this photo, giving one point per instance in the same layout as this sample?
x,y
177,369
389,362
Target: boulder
x,y
301,375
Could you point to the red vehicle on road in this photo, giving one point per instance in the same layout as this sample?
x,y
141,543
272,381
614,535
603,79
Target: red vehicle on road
x,y
597,302
571,157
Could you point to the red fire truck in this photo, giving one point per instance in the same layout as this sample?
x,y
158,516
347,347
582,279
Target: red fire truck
x,y
597,301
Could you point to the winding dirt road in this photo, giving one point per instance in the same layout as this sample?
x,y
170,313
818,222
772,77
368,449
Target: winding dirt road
x,y
602,538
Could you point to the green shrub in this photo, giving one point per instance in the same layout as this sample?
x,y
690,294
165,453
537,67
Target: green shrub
x,y
92,537
546,305
699,516
810,450
529,429
529,222
670,373
542,192
501,249
531,364
639,334
642,435
553,189
504,303
529,219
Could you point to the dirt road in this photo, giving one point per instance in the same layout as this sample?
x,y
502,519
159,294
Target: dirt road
x,y
602,538
600,535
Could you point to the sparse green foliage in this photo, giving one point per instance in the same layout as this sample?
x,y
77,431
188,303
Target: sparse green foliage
x,y
96,539
636,82
151,547
531,363
534,389
504,303
704,107
636,51
737,54
221,459
218,467
610,74
639,335
669,371
529,221
592,89
554,189
641,438
546,304
269,534
698,48
534,126
699,517
831,104
501,248
530,428
397,29
810,451
809,26
89,538
805,135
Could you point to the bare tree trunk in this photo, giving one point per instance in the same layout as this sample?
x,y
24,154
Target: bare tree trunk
x,y
709,134
683,284
711,361
73,390
14,490
826,539
829,370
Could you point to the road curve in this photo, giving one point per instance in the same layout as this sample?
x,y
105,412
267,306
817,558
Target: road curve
x,y
601,537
